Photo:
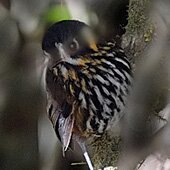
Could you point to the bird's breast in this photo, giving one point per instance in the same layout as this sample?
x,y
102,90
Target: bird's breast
x,y
100,85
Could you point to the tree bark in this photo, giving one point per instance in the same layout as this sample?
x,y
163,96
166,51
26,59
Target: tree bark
x,y
142,40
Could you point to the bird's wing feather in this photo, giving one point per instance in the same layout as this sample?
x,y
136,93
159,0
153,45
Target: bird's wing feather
x,y
65,128
59,110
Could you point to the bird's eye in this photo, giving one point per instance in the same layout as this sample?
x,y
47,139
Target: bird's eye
x,y
74,45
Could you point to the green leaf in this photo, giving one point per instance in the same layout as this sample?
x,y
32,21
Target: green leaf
x,y
57,13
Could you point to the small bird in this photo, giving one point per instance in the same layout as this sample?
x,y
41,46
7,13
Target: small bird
x,y
87,83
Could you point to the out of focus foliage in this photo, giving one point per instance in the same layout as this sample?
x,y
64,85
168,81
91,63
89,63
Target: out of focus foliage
x,y
57,13
27,140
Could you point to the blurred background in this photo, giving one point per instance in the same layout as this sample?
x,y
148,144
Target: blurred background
x,y
27,139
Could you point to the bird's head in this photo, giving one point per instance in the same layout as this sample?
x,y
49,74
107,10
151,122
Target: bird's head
x,y
65,39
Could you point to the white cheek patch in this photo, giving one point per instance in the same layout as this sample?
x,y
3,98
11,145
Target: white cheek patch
x,y
57,44
46,54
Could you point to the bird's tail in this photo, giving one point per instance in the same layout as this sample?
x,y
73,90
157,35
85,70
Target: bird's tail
x,y
85,153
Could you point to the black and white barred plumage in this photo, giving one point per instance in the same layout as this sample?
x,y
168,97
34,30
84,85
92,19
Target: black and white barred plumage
x,y
99,82
87,85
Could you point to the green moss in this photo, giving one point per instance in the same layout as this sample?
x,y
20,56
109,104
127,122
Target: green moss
x,y
106,150
148,34
139,30
137,16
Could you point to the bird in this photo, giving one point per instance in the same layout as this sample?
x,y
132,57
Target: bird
x,y
87,83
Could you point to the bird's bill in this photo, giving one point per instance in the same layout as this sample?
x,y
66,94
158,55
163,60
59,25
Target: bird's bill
x,y
90,38
93,46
